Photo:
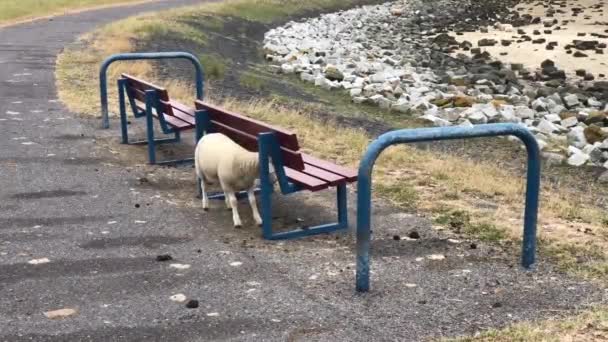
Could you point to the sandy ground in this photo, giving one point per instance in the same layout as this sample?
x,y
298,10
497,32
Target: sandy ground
x,y
591,20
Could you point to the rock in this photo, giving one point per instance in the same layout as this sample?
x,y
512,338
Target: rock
x,y
524,112
579,54
414,235
192,304
603,178
594,103
397,11
576,137
547,127
569,122
547,63
571,100
164,257
306,77
435,120
354,92
578,159
333,74
179,298
402,107
60,314
463,101
477,117
553,118
585,44
595,134
487,42
287,68
553,158
596,118
581,72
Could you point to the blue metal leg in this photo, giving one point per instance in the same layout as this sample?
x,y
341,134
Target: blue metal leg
x,y
342,206
266,201
151,142
123,111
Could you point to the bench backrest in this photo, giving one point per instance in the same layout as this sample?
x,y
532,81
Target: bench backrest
x,y
245,132
136,89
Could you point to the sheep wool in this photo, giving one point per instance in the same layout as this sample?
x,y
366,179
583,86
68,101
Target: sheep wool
x,y
219,159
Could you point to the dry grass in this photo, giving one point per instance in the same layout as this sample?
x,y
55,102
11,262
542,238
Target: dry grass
x,y
591,325
12,11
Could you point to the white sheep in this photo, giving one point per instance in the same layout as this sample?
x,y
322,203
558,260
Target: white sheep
x,y
219,159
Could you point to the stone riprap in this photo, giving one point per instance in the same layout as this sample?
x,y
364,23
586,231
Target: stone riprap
x,y
400,56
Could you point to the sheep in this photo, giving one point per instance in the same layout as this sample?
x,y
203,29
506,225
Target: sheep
x,y
219,159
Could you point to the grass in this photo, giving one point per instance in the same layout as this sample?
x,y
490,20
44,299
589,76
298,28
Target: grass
x,y
252,81
214,66
16,10
591,325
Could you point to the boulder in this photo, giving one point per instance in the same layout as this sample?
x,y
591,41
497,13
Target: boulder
x,y
332,73
596,118
569,122
571,100
594,134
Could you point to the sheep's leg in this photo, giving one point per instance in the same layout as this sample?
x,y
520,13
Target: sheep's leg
x,y
227,200
204,194
235,213
254,206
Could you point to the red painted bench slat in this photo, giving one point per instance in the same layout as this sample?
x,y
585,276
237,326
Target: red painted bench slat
x,y
349,174
292,159
308,182
251,126
171,120
327,176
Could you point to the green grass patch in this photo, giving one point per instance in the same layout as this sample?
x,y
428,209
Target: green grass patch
x,y
460,221
252,81
402,194
267,11
214,65
11,10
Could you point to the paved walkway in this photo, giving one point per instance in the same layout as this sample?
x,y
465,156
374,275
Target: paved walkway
x,y
102,225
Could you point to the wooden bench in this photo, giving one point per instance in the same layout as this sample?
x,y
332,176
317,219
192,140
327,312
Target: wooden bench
x,y
153,102
295,171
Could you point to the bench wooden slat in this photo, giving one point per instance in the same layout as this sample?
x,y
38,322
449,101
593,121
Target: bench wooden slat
x,y
182,108
349,174
292,159
306,181
171,120
327,176
248,125
179,113
142,85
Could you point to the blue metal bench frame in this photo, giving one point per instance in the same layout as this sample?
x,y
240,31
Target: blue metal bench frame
x,y
103,78
153,104
444,133
269,151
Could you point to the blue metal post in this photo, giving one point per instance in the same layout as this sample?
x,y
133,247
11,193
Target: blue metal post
x,y
103,88
342,205
150,104
443,133
123,111
265,142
